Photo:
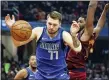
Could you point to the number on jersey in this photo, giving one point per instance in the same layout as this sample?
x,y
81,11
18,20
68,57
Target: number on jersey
x,y
52,53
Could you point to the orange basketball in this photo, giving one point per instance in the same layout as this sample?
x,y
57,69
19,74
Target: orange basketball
x,y
21,30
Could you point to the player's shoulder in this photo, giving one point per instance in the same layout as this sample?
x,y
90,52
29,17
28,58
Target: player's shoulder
x,y
23,71
65,33
38,29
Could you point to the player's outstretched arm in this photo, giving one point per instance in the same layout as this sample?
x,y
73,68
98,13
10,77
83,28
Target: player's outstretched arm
x,y
90,17
21,75
101,20
20,43
72,40
9,22
36,33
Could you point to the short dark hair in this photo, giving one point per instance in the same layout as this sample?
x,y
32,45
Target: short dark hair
x,y
31,55
84,16
55,15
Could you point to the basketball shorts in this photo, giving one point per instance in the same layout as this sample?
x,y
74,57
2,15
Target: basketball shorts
x,y
62,76
76,75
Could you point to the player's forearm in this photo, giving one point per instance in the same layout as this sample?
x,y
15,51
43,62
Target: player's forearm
x,y
76,43
16,43
20,43
90,12
102,19
90,16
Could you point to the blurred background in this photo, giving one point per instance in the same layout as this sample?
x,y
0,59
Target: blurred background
x,y
13,59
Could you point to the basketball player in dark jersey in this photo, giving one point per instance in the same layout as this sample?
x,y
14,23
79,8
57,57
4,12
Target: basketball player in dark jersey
x,y
29,72
87,35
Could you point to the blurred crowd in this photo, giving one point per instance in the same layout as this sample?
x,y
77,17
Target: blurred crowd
x,y
37,10
9,68
97,71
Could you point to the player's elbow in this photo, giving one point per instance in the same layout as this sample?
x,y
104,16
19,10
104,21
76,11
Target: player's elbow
x,y
78,49
89,23
17,45
89,29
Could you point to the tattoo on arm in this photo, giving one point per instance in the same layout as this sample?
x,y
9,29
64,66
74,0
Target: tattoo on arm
x,y
76,42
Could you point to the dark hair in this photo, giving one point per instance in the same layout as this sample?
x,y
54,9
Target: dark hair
x,y
84,16
32,55
55,15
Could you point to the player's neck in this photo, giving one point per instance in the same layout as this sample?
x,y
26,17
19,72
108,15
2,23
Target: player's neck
x,y
52,35
33,69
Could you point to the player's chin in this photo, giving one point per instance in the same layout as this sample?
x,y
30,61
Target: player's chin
x,y
52,32
34,66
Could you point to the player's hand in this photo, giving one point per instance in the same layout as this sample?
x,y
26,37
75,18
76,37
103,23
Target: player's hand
x,y
9,22
74,27
106,7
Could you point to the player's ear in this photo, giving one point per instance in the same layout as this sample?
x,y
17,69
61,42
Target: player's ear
x,y
29,63
59,24
46,22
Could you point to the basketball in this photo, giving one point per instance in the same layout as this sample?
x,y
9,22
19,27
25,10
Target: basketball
x,y
21,30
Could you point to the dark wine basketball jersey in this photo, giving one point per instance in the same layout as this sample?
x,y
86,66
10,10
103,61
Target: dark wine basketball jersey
x,y
77,60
